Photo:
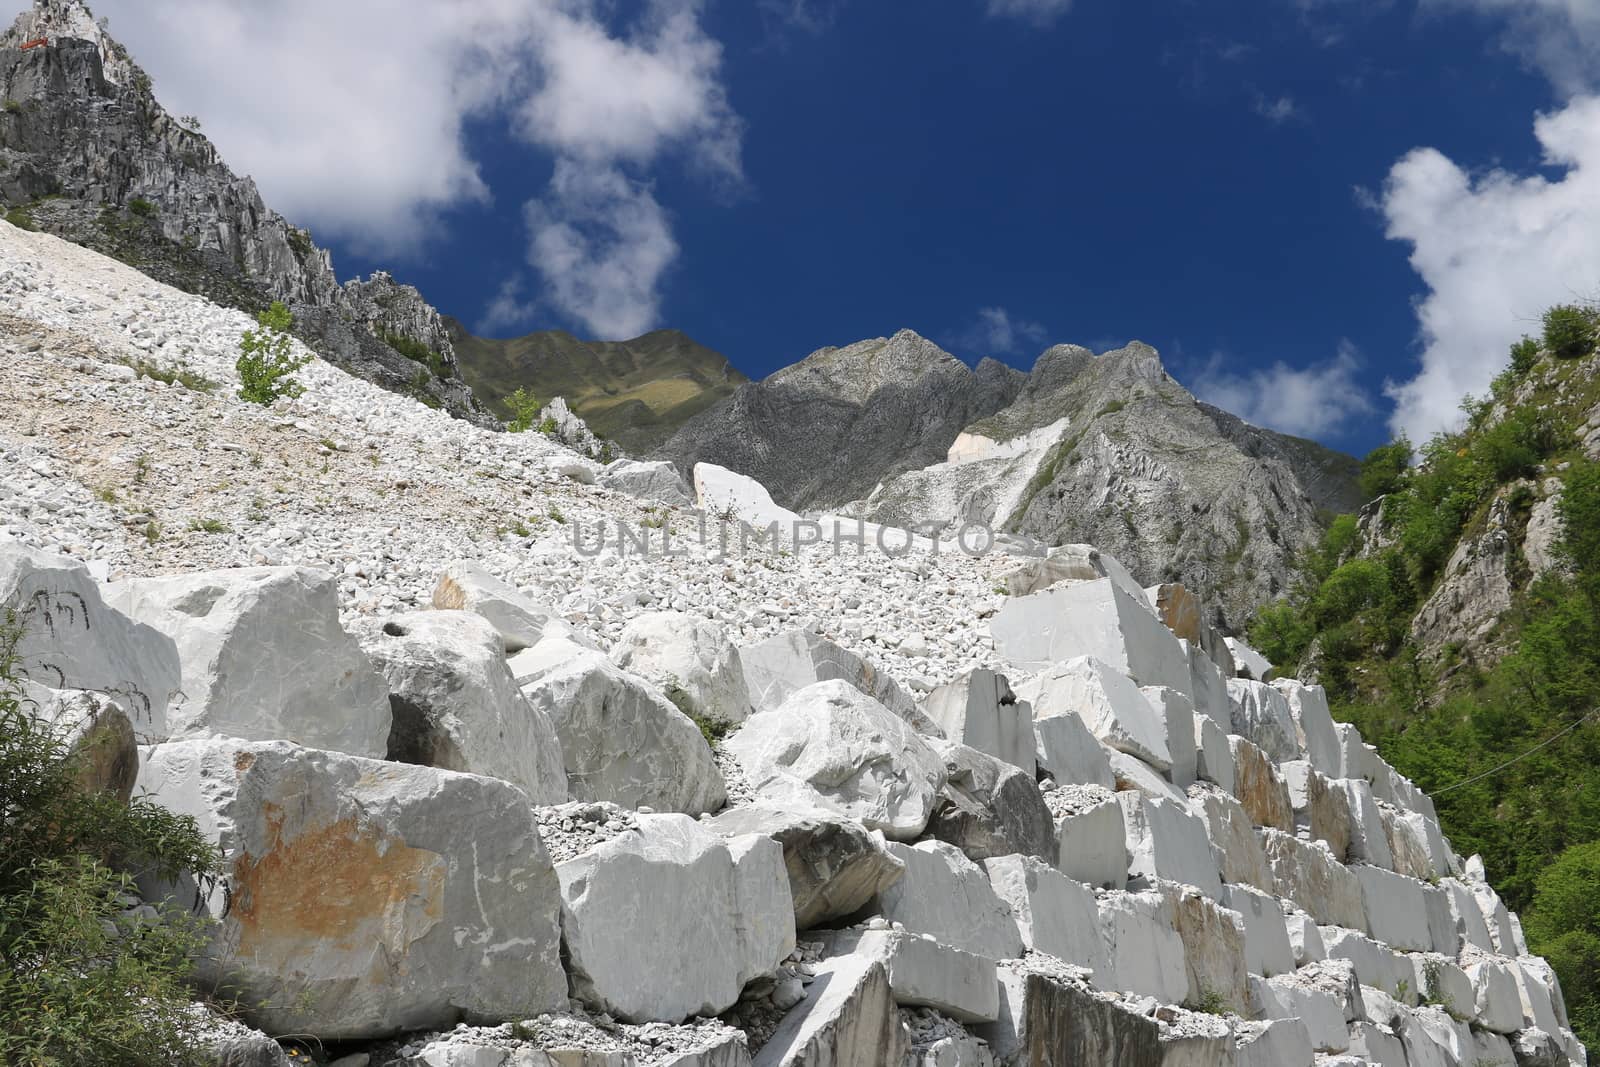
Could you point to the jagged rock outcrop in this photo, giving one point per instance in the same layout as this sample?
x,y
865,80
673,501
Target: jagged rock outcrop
x,y
81,126
829,428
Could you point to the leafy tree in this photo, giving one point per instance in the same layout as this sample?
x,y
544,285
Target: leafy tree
x,y
1524,354
266,361
1565,922
1384,468
84,981
525,409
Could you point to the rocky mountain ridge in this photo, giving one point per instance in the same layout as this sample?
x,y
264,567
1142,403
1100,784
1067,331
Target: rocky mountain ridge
x,y
717,807
1107,449
87,152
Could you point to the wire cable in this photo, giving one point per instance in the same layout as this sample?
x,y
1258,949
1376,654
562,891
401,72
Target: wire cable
x,y
1514,759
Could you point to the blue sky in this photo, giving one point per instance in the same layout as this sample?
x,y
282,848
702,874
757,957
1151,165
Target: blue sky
x,y
1236,183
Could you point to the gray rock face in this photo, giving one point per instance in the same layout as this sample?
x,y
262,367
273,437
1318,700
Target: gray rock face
x,y
848,1019
89,129
1049,1020
1175,489
353,905
779,667
831,427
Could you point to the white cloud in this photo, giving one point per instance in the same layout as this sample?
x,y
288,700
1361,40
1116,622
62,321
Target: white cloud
x,y
509,311
995,333
1038,12
1314,401
602,244
1276,110
1494,249
1560,38
352,118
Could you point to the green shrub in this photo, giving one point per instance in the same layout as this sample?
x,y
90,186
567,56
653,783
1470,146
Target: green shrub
x,y
1384,469
417,352
1569,331
548,426
82,981
300,242
1524,354
266,362
142,207
524,409
1564,926
21,218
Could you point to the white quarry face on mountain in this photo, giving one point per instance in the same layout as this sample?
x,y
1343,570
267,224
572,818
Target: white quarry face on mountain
x,y
1113,830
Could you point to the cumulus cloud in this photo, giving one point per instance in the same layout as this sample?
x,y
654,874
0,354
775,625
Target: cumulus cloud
x,y
1494,250
1316,401
508,311
1559,38
995,333
602,244
352,118
1038,12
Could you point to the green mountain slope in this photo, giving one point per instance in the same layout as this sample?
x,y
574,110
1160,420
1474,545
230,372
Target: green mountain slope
x,y
1456,622
634,392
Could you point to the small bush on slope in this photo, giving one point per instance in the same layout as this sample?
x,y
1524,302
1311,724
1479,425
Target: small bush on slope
x,y
81,983
266,363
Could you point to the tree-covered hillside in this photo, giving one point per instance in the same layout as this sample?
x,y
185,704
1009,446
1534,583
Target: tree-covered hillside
x,y
1456,621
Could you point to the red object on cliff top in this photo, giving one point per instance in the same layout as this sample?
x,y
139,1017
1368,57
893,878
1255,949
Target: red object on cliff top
x,y
35,43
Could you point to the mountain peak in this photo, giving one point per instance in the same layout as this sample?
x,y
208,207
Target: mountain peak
x,y
57,20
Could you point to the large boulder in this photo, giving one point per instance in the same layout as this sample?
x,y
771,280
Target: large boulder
x,y
1069,753
1054,914
691,660
1093,844
848,1019
1368,842
832,746
1308,874
980,711
96,733
673,894
456,706
1313,723
1176,711
779,667
835,865
359,898
1239,854
1098,619
1168,842
1048,1019
1066,563
1108,703
924,973
656,480
1214,941
949,898
622,742
990,808
1267,949
1321,809
72,639
1143,947
520,620
1261,715
1259,788
1397,911
264,658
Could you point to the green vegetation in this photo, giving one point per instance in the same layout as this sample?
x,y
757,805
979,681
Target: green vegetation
x,y
183,376
21,218
142,207
524,409
300,242
13,107
266,361
417,352
210,526
82,980
634,392
1449,718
